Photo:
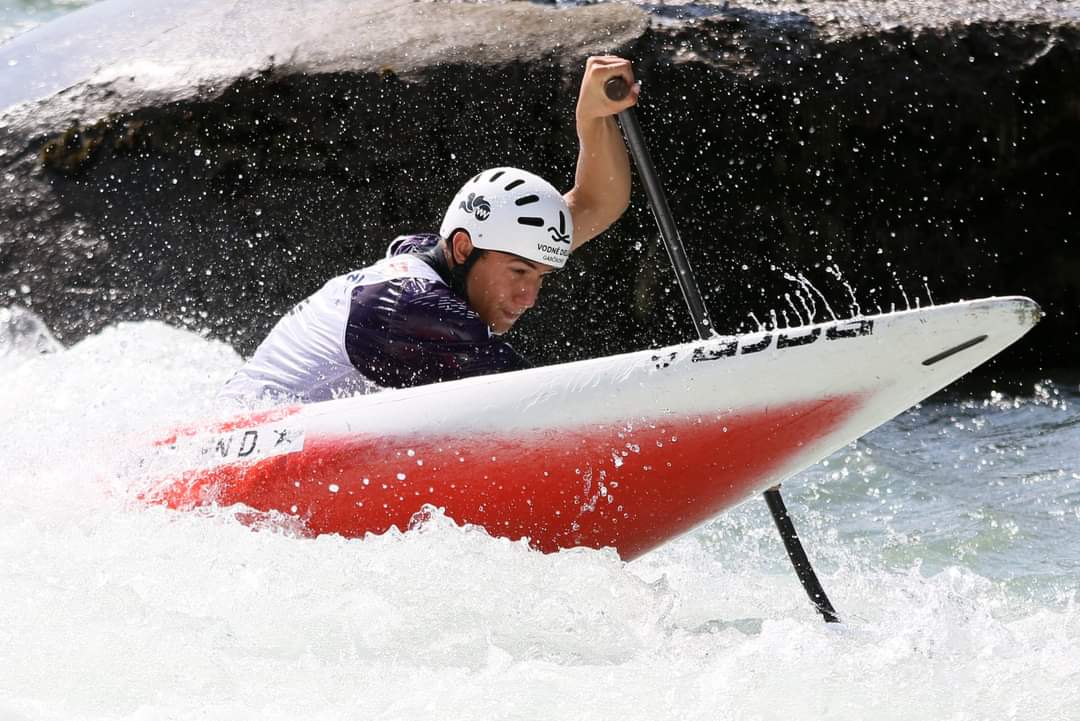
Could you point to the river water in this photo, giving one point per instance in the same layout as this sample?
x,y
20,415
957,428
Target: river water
x,y
948,539
18,16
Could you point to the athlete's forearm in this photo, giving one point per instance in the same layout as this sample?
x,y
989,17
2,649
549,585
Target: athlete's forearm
x,y
601,190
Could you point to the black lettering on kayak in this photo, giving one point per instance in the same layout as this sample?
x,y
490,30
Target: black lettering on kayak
x,y
851,329
759,346
728,348
789,341
244,444
724,350
248,443
665,360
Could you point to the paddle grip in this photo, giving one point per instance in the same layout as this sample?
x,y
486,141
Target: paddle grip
x,y
616,88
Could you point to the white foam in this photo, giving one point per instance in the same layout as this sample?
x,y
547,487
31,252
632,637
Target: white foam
x,y
111,610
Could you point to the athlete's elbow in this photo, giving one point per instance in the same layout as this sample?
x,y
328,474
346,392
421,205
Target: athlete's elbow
x,y
615,207
621,205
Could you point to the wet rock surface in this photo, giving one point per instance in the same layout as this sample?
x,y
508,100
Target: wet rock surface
x,y
216,165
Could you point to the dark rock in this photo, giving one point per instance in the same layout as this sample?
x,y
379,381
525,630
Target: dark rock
x,y
213,178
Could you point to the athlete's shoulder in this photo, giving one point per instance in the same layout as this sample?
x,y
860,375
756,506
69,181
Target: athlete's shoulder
x,y
412,244
397,268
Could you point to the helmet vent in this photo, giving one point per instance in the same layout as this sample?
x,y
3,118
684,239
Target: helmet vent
x,y
527,200
514,184
535,222
476,178
497,176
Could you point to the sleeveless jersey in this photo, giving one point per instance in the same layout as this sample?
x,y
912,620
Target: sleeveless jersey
x,y
396,323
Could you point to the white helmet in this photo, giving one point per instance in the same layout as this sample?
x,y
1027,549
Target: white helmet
x,y
513,211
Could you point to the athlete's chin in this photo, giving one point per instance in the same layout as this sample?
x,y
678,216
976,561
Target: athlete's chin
x,y
503,324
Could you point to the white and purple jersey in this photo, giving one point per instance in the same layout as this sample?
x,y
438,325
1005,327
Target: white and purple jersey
x,y
394,324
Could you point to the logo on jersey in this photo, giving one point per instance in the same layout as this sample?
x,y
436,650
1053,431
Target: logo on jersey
x,y
477,206
559,235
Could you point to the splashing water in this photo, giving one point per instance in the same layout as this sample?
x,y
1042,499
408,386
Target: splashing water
x,y
806,292
809,295
926,287
23,336
946,539
900,286
833,269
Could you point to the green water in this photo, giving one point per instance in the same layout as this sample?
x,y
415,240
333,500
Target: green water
x,y
18,16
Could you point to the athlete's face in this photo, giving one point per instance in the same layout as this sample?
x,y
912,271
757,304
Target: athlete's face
x,y
501,286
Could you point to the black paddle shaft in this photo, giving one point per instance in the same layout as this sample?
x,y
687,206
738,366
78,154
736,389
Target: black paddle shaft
x,y
616,89
795,552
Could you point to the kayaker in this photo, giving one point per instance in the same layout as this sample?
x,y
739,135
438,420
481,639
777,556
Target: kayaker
x,y
435,307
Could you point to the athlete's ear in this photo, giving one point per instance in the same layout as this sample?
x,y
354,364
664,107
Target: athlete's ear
x,y
462,245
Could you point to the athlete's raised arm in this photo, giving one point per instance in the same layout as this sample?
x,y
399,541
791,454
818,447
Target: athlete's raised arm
x,y
601,191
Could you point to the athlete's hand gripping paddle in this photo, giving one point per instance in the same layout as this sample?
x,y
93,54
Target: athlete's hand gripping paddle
x,y
616,89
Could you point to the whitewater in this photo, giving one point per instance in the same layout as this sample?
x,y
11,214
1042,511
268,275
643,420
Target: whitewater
x,y
947,540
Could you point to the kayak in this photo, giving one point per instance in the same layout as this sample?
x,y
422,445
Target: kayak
x,y
626,451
